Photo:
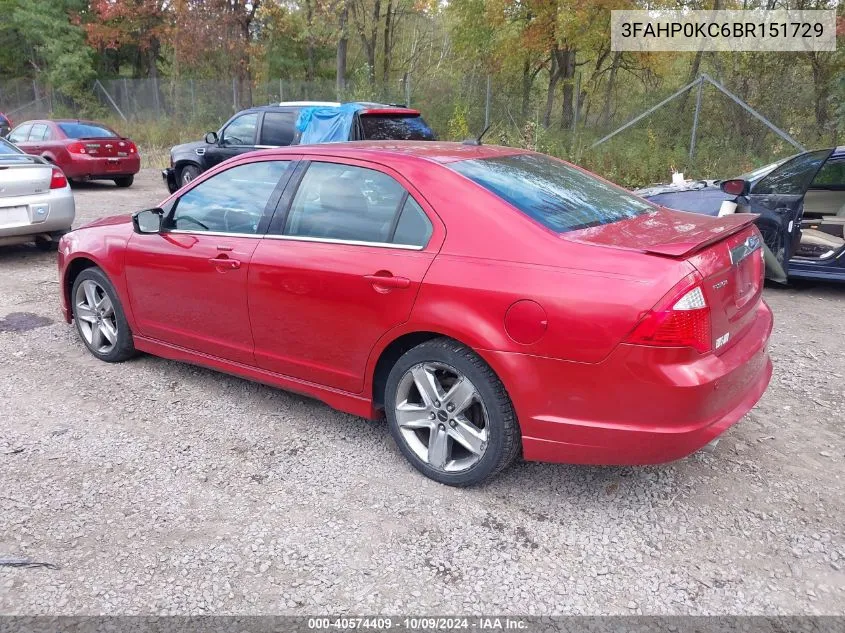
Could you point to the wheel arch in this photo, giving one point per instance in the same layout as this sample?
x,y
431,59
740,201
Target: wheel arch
x,y
72,271
181,163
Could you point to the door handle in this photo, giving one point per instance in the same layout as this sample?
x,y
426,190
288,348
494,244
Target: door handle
x,y
223,262
388,281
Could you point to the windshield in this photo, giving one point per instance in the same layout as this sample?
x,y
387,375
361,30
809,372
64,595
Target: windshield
x,y
86,130
560,197
395,127
6,148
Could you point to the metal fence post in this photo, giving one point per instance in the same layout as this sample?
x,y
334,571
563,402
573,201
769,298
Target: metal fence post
x,y
488,96
695,117
193,101
234,94
281,90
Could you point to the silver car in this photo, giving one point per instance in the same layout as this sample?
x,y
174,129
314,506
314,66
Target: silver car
x,y
36,203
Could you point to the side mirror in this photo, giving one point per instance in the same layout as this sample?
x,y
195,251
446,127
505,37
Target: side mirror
x,y
148,221
211,138
735,187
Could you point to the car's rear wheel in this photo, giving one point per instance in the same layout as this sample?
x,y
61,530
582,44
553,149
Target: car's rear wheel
x,y
99,317
44,244
187,174
450,414
124,181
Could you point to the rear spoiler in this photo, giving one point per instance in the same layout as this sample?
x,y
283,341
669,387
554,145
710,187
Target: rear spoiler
x,y
688,244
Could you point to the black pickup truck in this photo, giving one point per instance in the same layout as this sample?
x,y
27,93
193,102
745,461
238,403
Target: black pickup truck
x,y
275,125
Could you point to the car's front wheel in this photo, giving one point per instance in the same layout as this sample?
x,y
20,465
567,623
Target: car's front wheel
x,y
99,317
187,174
450,414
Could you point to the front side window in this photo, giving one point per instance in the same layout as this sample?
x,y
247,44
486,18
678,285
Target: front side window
x,y
558,196
20,133
279,128
793,177
233,201
345,202
241,131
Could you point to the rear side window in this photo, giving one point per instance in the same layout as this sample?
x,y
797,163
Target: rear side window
x,y
387,127
832,175
355,204
86,130
551,192
278,128
20,133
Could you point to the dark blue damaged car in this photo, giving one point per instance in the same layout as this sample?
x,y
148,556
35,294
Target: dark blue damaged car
x,y
800,201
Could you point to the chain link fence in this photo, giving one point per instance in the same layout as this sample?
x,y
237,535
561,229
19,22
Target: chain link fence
x,y
160,112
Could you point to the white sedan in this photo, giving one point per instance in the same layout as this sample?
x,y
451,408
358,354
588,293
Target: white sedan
x,y
36,203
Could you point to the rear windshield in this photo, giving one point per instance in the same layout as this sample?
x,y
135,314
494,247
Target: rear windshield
x,y
554,194
395,127
86,130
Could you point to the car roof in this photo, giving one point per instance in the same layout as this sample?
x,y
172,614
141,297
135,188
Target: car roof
x,y
368,107
433,151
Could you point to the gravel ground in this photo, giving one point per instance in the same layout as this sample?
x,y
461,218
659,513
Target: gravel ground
x,y
157,487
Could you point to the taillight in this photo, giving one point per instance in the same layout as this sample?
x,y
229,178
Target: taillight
x,y
58,180
76,148
680,319
132,147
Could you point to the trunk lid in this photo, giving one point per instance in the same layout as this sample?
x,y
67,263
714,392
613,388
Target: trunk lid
x,y
734,271
664,232
105,147
727,252
24,178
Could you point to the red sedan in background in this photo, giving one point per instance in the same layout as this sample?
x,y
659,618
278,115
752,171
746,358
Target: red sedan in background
x,y
84,150
488,300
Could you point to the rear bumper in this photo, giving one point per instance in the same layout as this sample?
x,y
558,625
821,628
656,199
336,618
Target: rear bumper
x,y
169,177
641,405
24,216
102,168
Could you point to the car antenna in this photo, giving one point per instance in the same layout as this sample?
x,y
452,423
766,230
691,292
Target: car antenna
x,y
477,139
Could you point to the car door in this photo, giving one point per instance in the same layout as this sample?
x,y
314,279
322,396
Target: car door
x,y
188,284
341,265
779,198
37,138
237,137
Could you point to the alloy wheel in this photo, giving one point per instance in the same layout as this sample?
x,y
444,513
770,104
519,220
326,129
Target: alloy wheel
x,y
96,316
441,417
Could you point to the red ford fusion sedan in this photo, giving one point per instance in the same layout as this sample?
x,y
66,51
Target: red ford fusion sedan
x,y
84,150
488,301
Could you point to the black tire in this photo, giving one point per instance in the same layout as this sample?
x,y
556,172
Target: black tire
x,y
504,438
46,245
187,174
124,181
123,348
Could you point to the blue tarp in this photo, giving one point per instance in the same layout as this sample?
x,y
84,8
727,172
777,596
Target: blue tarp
x,y
326,124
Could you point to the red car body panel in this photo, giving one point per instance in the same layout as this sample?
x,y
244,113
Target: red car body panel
x,y
550,313
112,157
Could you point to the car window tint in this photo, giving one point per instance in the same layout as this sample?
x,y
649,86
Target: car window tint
x,y
86,130
19,134
38,132
557,195
413,228
278,128
832,173
241,131
344,202
386,127
793,177
232,201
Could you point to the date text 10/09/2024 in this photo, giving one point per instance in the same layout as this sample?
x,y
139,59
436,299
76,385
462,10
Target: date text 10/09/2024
x,y
418,624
